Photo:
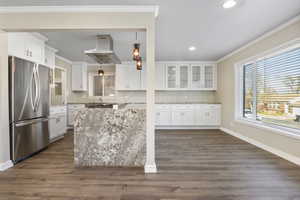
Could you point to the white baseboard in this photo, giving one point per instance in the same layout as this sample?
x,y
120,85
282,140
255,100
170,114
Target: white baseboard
x,y
284,155
186,127
150,169
4,166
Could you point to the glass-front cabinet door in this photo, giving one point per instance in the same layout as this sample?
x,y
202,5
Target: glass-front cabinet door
x,y
171,76
208,76
183,76
196,76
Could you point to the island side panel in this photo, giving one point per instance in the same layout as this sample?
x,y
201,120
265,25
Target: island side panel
x,y
108,137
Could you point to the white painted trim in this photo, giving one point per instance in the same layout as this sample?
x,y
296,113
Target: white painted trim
x,y
51,48
82,8
149,169
40,36
289,132
186,62
173,62
64,59
292,44
284,155
4,166
264,36
187,127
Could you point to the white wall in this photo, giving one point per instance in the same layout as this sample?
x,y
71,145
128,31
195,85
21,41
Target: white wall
x,y
226,92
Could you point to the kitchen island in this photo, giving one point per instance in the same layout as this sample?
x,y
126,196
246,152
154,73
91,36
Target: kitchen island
x,y
110,137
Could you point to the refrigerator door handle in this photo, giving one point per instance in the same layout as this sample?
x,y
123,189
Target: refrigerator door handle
x,y
31,90
38,88
29,122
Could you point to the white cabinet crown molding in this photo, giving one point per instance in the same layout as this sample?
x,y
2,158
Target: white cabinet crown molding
x,y
64,59
51,48
40,36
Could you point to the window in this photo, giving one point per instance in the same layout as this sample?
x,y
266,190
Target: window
x,y
101,85
271,89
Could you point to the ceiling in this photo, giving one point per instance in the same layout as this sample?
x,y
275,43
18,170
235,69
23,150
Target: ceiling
x,y
215,32
72,44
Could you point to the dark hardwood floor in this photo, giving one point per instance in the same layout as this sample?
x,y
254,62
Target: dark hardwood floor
x,y
193,165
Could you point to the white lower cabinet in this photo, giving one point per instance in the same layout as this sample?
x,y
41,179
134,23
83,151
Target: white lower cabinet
x,y
208,115
188,115
57,123
163,118
182,115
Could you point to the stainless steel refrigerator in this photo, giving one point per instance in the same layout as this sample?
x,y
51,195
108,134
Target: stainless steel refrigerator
x,y
29,107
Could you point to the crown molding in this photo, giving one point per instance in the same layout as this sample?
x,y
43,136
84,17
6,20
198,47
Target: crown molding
x,y
64,59
87,8
51,48
264,36
39,36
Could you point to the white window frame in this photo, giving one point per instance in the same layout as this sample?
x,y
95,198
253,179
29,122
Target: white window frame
x,y
239,87
91,84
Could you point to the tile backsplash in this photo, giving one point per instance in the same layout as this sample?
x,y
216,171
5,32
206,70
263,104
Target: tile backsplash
x,y
160,97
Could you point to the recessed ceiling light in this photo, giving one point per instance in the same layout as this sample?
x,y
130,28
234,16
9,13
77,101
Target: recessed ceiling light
x,y
192,48
229,4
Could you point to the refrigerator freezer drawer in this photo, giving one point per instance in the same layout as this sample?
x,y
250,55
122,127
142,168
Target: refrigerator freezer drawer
x,y
28,138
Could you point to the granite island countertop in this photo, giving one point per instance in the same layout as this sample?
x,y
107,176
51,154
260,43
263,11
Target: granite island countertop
x,y
109,137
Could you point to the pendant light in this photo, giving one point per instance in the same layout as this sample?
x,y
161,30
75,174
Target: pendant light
x,y
100,71
136,49
139,63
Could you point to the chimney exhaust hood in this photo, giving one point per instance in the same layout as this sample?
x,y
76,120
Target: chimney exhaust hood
x,y
104,53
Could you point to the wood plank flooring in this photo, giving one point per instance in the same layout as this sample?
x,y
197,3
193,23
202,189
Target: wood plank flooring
x,y
193,165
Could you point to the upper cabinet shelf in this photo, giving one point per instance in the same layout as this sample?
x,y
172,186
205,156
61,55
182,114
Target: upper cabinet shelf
x,y
169,76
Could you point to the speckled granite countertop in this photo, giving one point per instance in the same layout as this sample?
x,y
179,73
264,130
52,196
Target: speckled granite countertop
x,y
108,137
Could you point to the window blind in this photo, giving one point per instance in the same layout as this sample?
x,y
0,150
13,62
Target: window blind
x,y
275,84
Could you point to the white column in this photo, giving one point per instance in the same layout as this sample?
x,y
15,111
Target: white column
x,y
150,166
4,121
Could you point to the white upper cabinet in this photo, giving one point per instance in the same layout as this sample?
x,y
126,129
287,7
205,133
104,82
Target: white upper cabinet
x,y
50,56
196,77
172,76
79,76
183,76
191,76
210,78
168,76
28,46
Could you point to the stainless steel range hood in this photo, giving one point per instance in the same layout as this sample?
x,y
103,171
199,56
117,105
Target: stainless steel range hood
x,y
104,53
